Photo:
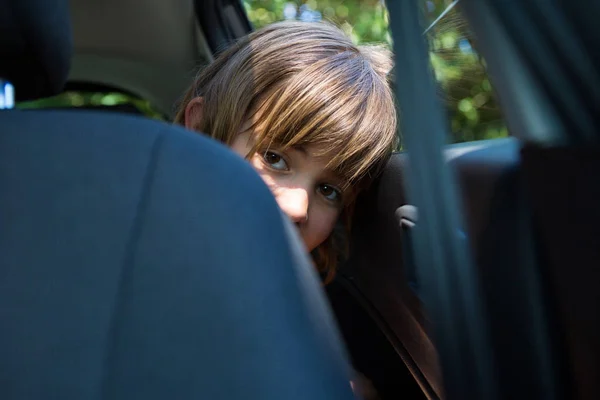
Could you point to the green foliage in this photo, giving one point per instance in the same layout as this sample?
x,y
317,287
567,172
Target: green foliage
x,y
80,99
364,21
464,86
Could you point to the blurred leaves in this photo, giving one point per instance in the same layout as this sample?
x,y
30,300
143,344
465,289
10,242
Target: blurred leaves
x,y
363,20
87,99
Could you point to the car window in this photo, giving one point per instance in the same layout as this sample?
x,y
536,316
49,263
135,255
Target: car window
x,y
95,99
365,21
465,88
460,72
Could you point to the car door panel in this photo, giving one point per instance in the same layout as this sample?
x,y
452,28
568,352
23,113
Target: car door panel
x,y
487,172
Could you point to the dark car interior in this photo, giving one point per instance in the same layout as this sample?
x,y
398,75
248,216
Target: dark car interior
x,y
473,270
513,314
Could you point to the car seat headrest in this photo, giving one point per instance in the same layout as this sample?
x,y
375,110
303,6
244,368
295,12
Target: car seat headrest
x,y
35,46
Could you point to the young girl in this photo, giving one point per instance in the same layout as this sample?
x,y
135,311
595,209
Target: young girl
x,y
312,112
315,116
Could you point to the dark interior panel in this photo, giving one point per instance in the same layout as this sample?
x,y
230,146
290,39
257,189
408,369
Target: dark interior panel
x,y
563,186
377,267
374,351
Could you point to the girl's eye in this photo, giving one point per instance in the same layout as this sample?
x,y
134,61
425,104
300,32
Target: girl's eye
x,y
275,161
330,193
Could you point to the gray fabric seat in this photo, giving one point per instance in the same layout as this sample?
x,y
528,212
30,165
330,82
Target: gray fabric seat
x,y
140,260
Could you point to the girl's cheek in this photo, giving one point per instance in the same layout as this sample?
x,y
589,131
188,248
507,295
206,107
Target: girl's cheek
x,y
272,182
324,219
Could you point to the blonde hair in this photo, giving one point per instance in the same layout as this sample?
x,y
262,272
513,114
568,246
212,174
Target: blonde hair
x,y
302,83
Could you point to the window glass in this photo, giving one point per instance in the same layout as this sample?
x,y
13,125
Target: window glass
x,y
366,21
93,99
460,72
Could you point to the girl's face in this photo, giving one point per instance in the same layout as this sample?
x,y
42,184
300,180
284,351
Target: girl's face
x,y
304,189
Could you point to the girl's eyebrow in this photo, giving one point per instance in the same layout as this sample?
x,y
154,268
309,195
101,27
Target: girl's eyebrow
x,y
300,149
333,177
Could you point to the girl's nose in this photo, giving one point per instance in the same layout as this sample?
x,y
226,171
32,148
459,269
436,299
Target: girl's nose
x,y
294,202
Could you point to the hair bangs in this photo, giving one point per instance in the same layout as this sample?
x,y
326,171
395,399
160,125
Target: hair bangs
x,y
349,115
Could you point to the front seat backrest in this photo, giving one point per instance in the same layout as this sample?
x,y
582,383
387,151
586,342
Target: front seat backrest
x,y
140,260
